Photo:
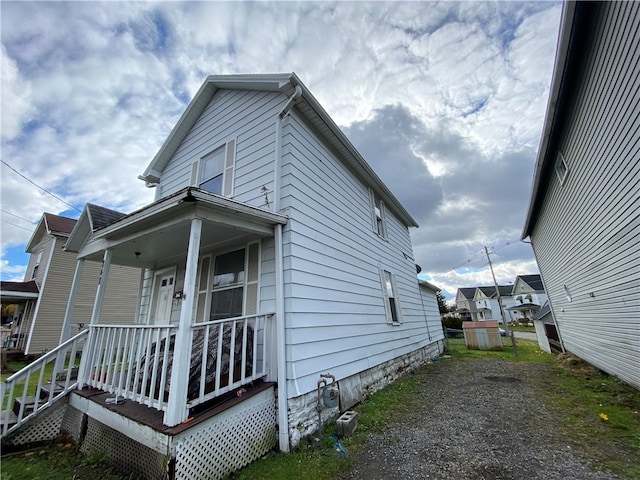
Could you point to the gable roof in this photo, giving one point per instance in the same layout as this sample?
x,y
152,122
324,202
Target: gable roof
x,y
306,105
50,224
467,292
101,217
92,218
566,70
533,280
490,292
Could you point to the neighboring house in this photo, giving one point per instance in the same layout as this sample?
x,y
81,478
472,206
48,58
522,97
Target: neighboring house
x,y
546,331
529,296
481,303
488,305
41,299
278,266
584,213
465,305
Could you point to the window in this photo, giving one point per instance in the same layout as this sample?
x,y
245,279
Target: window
x,y
35,268
389,290
228,284
214,171
561,168
377,214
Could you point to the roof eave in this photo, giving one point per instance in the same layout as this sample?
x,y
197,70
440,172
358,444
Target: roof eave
x,y
543,159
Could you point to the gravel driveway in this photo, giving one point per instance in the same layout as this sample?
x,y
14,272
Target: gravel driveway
x,y
474,419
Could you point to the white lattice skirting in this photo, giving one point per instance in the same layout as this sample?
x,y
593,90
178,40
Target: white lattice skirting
x,y
231,440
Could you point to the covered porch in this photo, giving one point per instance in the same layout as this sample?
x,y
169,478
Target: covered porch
x,y
23,296
202,328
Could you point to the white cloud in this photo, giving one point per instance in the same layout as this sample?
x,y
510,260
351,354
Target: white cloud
x,y
454,93
16,106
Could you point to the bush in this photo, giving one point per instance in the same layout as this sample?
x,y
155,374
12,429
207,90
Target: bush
x,y
452,322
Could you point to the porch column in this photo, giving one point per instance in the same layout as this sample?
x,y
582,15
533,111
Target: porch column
x,y
66,325
102,286
95,317
176,412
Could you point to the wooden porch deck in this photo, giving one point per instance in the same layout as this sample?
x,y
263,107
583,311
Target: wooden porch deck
x,y
153,418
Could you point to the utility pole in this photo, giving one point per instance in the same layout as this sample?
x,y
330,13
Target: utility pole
x,y
507,330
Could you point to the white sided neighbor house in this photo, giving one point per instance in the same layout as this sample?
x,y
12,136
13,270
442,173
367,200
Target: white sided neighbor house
x,y
278,289
584,214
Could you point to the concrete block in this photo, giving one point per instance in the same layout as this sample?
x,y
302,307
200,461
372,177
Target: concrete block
x,y
347,423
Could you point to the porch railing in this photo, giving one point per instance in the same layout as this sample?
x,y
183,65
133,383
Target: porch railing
x,y
130,361
134,362
233,352
41,383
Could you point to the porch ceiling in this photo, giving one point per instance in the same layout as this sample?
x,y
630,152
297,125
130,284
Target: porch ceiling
x,y
159,234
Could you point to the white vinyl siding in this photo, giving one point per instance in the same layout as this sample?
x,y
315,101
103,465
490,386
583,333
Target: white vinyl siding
x,y
336,318
245,122
586,236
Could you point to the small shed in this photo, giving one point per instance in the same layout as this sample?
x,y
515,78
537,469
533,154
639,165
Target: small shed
x,y
484,335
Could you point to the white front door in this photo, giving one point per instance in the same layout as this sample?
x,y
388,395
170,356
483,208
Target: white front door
x,y
164,299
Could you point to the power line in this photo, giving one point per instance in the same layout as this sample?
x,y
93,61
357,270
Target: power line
x,y
41,188
18,226
482,253
17,216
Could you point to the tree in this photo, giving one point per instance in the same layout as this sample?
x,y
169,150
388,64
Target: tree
x,y
442,302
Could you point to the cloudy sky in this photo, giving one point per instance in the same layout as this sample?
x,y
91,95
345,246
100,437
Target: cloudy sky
x,y
445,100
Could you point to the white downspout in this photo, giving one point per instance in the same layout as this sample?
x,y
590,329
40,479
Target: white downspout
x,y
283,415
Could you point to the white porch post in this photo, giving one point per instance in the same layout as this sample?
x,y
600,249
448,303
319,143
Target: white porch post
x,y
95,316
102,286
176,412
66,325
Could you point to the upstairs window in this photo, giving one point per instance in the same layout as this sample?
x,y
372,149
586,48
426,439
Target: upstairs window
x,y
561,168
391,303
36,266
378,214
214,171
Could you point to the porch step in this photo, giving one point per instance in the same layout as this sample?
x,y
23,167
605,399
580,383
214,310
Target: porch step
x,y
10,416
62,376
29,405
46,388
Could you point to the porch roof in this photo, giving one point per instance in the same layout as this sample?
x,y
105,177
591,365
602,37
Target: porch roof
x,y
159,232
18,291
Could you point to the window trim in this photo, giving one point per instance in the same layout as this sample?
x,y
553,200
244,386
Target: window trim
x,y
392,303
228,168
378,221
561,168
34,273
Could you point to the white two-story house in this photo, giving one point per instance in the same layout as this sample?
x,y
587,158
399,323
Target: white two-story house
x,y
277,269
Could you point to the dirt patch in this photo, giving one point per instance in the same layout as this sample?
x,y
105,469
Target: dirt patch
x,y
475,419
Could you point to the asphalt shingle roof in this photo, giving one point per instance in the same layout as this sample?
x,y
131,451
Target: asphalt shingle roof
x,y
102,217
